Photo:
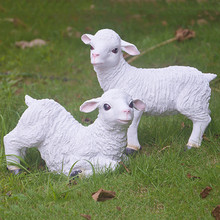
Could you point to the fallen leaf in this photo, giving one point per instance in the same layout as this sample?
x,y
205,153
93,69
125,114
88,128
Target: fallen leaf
x,y
192,177
205,138
216,212
103,195
183,34
88,28
118,208
2,9
16,21
164,23
205,192
92,7
136,16
33,43
202,21
182,125
86,216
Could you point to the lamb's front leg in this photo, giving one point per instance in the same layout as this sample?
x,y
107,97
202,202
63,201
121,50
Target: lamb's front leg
x,y
12,147
100,165
132,134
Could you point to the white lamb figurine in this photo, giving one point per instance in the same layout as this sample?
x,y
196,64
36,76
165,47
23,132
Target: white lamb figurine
x,y
165,91
62,140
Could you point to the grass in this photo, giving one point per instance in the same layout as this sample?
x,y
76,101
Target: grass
x,y
158,185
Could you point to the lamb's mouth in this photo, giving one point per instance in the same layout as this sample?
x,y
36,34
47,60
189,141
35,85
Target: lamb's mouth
x,y
124,121
96,64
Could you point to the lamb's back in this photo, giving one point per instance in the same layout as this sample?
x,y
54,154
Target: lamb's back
x,y
159,88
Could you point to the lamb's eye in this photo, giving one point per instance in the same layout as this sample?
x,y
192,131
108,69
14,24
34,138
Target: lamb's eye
x,y
107,107
115,50
131,105
91,48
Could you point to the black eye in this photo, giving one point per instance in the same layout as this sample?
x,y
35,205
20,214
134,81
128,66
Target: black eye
x,y
107,107
91,48
131,105
115,50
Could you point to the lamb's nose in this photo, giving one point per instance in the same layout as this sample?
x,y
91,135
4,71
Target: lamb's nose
x,y
127,111
95,54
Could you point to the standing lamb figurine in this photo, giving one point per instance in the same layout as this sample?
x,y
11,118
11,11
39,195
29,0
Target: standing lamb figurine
x,y
166,91
62,140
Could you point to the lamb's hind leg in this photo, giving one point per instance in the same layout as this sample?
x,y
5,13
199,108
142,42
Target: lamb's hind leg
x,y
15,142
197,132
132,134
12,149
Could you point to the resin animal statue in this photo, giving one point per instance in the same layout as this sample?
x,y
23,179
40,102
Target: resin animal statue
x,y
165,91
63,141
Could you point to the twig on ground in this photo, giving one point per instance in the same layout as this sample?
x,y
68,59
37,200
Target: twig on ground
x,y
128,171
164,148
180,35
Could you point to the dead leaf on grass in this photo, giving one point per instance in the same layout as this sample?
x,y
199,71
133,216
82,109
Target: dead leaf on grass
x,y
216,212
182,125
192,177
92,7
184,34
118,208
205,192
205,138
164,23
33,43
88,217
2,9
103,195
202,21
16,21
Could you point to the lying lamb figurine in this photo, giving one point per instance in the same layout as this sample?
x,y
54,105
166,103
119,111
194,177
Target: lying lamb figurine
x,y
166,91
62,140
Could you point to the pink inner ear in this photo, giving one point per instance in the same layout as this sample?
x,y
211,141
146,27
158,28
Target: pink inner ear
x,y
139,105
88,106
131,49
86,39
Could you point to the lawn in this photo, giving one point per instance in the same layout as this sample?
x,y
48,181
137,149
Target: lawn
x,y
162,181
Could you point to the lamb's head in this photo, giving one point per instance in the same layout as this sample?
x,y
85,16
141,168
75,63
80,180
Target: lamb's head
x,y
116,107
106,48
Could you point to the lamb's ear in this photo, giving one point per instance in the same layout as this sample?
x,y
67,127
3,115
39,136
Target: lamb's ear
x,y
90,105
129,48
139,105
86,38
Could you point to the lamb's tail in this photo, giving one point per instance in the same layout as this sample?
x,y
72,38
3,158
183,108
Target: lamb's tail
x,y
29,100
210,76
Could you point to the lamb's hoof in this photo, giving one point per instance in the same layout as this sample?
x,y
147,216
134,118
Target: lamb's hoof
x,y
75,174
187,147
16,172
130,151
